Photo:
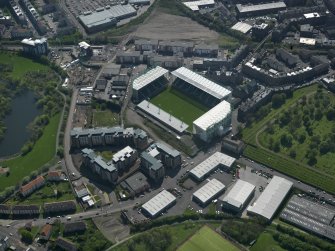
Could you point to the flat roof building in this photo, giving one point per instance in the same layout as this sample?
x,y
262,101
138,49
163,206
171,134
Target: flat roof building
x,y
310,216
210,164
106,17
36,47
197,5
238,196
242,27
159,203
208,192
216,122
269,201
260,9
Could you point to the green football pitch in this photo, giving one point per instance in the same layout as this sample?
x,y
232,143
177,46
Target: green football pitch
x,y
179,105
207,239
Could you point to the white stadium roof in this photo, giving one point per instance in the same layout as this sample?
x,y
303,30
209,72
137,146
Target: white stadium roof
x,y
209,191
148,77
268,202
213,116
239,194
201,83
209,164
242,27
159,203
194,5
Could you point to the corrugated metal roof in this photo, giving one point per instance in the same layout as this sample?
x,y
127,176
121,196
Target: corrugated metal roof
x,y
209,191
159,202
240,192
213,116
268,202
209,164
148,77
201,83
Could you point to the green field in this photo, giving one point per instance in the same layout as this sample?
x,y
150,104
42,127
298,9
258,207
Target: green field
x,y
105,118
265,242
42,152
179,105
207,239
178,233
280,160
21,65
46,194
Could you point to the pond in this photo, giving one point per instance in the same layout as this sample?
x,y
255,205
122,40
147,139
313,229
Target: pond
x,y
24,111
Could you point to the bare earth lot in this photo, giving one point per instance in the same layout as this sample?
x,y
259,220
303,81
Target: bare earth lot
x,y
164,26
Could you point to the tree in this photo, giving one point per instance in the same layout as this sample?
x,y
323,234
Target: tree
x,y
330,114
278,99
293,153
60,151
286,140
27,236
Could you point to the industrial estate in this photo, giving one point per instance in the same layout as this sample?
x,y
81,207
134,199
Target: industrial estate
x,y
167,125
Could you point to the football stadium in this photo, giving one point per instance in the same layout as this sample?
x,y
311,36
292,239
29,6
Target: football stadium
x,y
183,101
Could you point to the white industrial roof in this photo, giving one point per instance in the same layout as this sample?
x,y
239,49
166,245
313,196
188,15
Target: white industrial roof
x,y
268,202
242,27
201,83
213,116
312,15
239,194
84,45
194,5
259,7
308,41
32,42
209,191
159,203
211,163
148,77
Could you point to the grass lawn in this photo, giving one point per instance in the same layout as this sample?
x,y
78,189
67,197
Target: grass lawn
x,y
92,239
107,155
226,41
47,194
207,239
105,118
179,105
179,233
284,164
21,65
43,151
265,242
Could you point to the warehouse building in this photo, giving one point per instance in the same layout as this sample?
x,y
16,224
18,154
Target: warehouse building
x,y
159,203
310,216
106,17
208,192
198,5
269,201
242,27
150,84
210,164
238,197
259,9
200,88
214,123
